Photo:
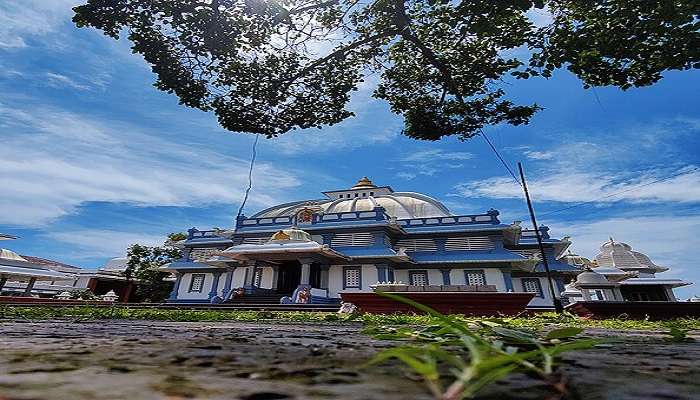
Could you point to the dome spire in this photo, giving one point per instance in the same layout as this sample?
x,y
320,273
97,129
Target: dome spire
x,y
364,183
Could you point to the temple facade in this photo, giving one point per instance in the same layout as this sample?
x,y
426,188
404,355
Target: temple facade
x,y
619,273
355,238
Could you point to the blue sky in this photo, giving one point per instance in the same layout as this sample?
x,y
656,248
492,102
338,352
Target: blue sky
x,y
94,158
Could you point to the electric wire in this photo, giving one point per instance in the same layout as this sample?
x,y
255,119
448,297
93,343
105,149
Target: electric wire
x,y
505,164
250,176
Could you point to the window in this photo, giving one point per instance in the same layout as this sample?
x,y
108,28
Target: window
x,y
356,195
597,295
258,277
352,278
475,277
197,283
418,278
532,285
371,193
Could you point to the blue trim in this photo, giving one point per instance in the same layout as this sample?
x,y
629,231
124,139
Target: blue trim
x,y
474,271
390,275
176,287
345,282
560,285
411,273
508,279
227,284
381,273
445,276
495,255
214,285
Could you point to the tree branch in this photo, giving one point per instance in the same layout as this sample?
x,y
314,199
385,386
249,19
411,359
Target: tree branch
x,y
337,53
403,22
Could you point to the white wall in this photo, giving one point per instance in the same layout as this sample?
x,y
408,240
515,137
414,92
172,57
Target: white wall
x,y
335,279
545,301
266,281
401,275
183,294
238,278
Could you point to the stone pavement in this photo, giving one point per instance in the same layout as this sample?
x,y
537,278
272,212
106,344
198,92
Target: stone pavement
x,y
266,361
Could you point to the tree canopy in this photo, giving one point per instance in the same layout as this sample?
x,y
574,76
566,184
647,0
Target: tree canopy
x,y
271,66
143,264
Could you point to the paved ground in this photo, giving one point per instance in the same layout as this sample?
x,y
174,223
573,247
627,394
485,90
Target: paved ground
x,y
168,360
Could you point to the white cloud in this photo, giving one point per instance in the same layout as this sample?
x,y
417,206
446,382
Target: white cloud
x,y
590,171
429,162
539,155
432,155
97,243
669,240
52,161
595,187
21,20
59,81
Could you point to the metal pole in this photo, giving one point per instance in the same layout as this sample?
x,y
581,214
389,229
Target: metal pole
x,y
557,302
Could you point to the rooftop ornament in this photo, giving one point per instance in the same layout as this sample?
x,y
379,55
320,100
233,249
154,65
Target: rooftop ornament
x,y
110,296
65,295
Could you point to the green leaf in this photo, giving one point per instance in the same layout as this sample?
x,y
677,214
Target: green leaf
x,y
563,333
514,336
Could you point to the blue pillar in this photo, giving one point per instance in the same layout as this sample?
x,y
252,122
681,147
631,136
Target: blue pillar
x,y
249,281
508,280
381,272
214,285
445,276
227,284
560,285
176,287
390,275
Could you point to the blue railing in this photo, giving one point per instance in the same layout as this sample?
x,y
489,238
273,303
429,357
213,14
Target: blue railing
x,y
377,214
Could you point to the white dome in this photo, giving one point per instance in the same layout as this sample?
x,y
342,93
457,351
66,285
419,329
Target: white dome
x,y
620,255
365,196
576,260
10,255
589,277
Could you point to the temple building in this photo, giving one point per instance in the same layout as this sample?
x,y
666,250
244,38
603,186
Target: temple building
x,y
621,274
22,275
355,238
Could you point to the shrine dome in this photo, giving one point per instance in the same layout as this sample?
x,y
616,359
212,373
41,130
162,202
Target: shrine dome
x,y
589,277
10,255
365,196
620,255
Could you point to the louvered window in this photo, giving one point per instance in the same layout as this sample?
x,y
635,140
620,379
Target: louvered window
x,y
352,278
475,277
469,243
352,239
532,285
255,240
417,244
418,278
197,283
258,277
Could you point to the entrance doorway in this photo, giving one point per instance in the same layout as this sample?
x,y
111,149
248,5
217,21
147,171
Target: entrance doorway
x,y
289,277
